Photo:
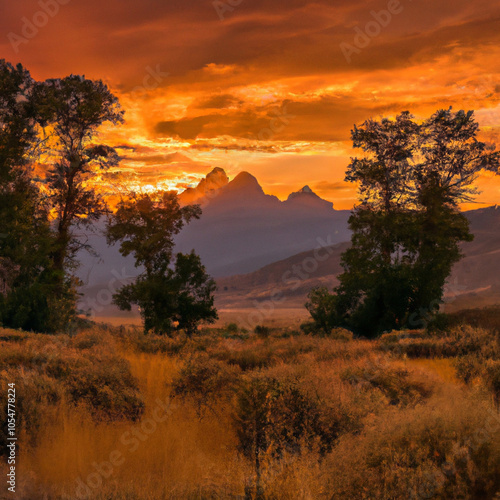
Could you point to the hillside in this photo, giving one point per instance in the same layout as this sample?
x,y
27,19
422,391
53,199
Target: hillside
x,y
475,279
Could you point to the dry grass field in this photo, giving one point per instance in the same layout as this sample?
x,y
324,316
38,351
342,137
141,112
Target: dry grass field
x,y
112,414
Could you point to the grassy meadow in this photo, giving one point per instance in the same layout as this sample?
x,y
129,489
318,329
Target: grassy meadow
x,y
110,413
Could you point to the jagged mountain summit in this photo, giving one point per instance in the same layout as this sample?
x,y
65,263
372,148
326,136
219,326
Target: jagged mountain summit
x,y
243,228
213,181
307,198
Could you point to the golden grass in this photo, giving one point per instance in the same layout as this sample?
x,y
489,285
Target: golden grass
x,y
182,454
444,368
154,374
398,418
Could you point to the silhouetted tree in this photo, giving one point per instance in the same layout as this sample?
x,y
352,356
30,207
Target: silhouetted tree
x,y
168,292
26,238
407,229
57,119
70,112
322,306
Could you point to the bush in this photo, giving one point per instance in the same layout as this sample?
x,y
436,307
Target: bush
x,y
276,416
249,358
389,338
262,331
86,340
309,328
107,388
400,385
467,368
341,334
439,323
232,328
85,369
492,378
36,395
459,341
206,381
153,344
450,449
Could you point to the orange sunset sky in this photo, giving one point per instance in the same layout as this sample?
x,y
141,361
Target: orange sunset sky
x,y
263,85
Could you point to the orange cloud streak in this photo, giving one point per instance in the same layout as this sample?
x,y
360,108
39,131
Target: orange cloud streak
x,y
269,89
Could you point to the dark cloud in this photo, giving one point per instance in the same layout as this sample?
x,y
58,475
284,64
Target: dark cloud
x,y
219,101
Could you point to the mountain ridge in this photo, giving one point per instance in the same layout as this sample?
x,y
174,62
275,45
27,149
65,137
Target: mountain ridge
x,y
475,278
246,238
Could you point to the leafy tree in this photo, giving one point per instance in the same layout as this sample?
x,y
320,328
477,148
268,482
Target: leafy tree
x,y
70,112
407,229
17,127
26,238
322,306
59,119
167,292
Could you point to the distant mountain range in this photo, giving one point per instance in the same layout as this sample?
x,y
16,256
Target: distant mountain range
x,y
475,280
243,229
256,245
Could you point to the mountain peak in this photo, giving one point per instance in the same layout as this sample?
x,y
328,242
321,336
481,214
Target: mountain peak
x,y
307,197
245,178
244,182
213,181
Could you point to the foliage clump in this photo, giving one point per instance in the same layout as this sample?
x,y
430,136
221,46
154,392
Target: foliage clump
x,y
171,294
407,228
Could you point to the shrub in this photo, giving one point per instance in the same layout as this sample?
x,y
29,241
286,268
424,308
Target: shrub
x,y
398,384
467,368
459,341
86,340
439,323
86,369
262,331
206,381
492,378
389,338
249,358
275,416
450,449
152,344
341,334
36,395
309,328
232,328
107,388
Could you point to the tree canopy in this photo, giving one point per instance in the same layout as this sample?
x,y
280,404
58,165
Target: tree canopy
x,y
54,124
408,226
171,293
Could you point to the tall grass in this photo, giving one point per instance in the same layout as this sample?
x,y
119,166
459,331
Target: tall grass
x,y
275,416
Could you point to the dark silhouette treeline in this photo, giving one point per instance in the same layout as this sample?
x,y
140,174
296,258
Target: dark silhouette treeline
x,y
49,158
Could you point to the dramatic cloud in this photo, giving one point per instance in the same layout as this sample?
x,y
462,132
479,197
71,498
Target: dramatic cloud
x,y
269,87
